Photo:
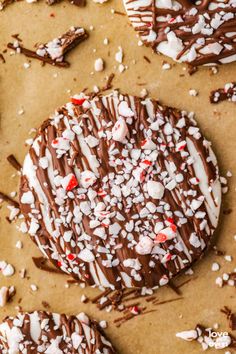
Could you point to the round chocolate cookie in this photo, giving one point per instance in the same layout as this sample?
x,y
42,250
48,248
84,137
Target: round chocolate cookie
x,y
51,333
196,32
120,191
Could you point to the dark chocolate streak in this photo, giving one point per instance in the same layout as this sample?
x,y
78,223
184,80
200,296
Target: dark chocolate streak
x,y
63,332
183,29
177,200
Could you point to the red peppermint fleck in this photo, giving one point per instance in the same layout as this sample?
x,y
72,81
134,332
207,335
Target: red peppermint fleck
x,y
102,193
172,20
55,141
149,24
72,183
78,101
160,238
134,310
71,257
142,176
105,225
182,147
173,227
147,162
168,257
59,264
143,142
87,276
170,220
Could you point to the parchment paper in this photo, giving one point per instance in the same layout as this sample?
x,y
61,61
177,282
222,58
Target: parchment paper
x,y
39,90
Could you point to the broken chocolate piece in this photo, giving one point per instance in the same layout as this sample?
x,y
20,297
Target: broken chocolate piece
x,y
54,51
222,94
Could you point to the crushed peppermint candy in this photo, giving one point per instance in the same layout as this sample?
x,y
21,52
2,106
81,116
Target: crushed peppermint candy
x,y
118,187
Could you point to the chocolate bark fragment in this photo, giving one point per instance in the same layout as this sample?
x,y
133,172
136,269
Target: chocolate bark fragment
x,y
208,338
45,332
195,32
125,191
228,93
54,52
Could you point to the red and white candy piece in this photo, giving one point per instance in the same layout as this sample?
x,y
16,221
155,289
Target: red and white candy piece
x,y
155,189
87,178
148,144
166,234
144,246
69,182
120,130
181,145
61,143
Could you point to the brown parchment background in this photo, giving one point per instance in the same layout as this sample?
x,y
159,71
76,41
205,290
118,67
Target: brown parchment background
x,y
39,90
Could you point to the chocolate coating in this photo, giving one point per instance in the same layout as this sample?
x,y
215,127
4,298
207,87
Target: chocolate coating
x,y
120,191
51,333
196,32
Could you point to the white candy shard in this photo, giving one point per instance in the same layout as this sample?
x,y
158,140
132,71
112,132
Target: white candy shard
x,y
155,189
187,335
144,246
120,131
